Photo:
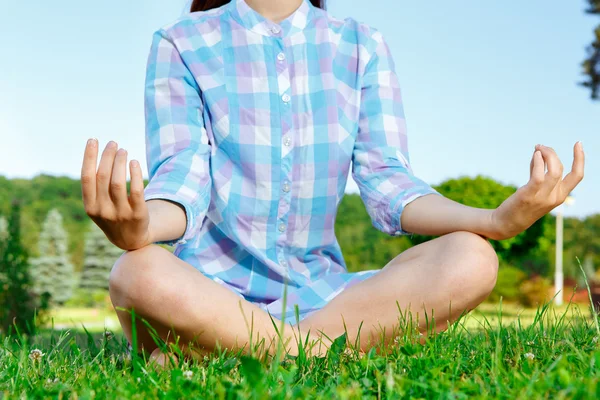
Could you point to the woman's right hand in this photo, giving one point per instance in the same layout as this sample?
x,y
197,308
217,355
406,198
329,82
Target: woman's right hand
x,y
124,220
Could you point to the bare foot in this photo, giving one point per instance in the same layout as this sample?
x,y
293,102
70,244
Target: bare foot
x,y
162,359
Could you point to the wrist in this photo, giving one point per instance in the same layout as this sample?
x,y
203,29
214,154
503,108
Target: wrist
x,y
489,224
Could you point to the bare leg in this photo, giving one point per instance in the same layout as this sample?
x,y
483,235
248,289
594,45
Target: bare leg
x,y
178,301
449,275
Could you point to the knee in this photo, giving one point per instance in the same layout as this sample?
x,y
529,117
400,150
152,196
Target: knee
x,y
478,263
131,273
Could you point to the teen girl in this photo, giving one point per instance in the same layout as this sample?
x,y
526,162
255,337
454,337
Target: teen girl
x,y
256,112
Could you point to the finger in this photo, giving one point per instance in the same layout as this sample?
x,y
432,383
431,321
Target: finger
x,y
576,175
136,198
537,169
531,163
555,167
88,174
104,174
118,182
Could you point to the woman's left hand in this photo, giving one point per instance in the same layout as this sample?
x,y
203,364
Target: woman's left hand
x,y
543,192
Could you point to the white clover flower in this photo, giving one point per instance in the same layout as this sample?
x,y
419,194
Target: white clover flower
x,y
529,356
595,339
188,374
36,355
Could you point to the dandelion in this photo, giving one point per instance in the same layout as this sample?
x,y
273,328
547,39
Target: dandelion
x,y
529,356
36,355
188,374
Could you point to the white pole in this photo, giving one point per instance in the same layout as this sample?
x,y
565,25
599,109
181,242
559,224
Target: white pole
x,y
558,274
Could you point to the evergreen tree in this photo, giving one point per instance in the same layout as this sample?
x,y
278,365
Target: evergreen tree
x,y
17,301
52,270
99,257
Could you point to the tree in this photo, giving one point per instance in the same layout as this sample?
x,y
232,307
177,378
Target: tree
x,y
483,192
591,65
52,271
17,300
581,240
363,246
100,256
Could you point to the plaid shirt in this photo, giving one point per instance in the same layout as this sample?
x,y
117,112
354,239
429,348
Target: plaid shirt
x,y
252,127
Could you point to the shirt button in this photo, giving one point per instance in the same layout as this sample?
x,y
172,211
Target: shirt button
x,y
275,30
281,56
281,227
286,187
283,263
287,141
286,98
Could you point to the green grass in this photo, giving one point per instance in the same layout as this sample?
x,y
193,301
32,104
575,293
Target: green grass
x,y
545,353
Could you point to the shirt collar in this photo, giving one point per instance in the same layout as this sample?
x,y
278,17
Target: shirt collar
x,y
254,21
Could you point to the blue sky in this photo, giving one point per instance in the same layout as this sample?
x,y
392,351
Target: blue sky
x,y
483,82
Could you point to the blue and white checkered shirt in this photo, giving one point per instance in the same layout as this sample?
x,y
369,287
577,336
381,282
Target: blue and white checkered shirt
x,y
252,127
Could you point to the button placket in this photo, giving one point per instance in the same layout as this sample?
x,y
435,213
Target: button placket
x,y
284,88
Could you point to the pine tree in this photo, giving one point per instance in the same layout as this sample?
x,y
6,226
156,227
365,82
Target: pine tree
x,y
17,300
52,270
99,257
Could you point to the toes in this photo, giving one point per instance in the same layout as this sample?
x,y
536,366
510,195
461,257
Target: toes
x,y
162,359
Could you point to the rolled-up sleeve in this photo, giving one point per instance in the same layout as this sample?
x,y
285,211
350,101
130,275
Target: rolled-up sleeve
x,y
380,161
177,147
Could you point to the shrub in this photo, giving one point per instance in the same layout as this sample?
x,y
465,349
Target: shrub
x,y
86,298
508,284
535,291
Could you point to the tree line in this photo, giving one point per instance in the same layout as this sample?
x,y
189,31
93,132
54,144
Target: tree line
x,y
44,230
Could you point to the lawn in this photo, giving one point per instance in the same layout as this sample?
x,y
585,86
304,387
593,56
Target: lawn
x,y
495,352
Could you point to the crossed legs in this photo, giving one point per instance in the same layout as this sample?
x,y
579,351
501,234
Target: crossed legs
x,y
443,277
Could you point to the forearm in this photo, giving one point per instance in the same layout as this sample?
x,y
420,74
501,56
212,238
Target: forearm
x,y
437,215
167,220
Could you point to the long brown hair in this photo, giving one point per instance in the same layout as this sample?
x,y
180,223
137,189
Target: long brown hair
x,y
204,5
